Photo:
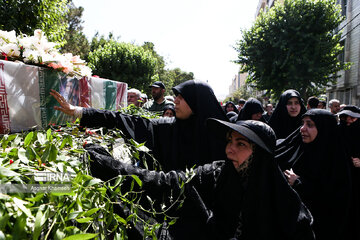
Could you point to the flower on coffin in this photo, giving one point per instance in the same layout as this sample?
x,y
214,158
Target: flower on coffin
x,y
37,49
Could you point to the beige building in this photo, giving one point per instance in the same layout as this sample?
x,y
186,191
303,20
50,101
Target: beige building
x,y
237,82
347,89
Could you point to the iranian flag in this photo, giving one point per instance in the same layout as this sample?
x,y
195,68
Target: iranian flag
x,y
26,103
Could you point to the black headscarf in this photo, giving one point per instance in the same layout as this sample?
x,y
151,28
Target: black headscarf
x,y
169,107
251,107
268,207
234,106
280,120
324,183
351,139
189,143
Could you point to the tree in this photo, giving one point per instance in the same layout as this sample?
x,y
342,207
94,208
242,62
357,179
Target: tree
x,y
173,77
76,41
241,93
123,62
293,45
25,16
170,77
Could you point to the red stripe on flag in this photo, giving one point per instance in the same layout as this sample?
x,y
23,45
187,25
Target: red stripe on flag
x,y
85,92
4,108
120,94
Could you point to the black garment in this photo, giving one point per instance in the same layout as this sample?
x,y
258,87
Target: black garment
x,y
324,178
351,139
266,116
256,204
234,106
232,116
251,107
280,120
175,143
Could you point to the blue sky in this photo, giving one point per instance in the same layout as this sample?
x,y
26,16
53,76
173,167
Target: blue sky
x,y
194,35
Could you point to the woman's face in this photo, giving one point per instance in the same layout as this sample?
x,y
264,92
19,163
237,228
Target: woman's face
x,y
182,109
238,149
168,113
308,130
256,116
230,108
293,107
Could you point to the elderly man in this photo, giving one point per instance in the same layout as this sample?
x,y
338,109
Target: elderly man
x,y
334,106
158,102
134,97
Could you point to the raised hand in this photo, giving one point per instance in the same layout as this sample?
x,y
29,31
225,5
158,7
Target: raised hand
x,y
65,107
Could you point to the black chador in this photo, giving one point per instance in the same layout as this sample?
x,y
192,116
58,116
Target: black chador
x,y
282,123
175,143
324,179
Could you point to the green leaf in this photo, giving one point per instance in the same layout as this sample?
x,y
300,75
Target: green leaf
x,y
28,138
22,156
93,182
20,204
41,138
137,179
37,228
53,153
74,215
91,212
84,220
5,172
48,134
81,236
4,220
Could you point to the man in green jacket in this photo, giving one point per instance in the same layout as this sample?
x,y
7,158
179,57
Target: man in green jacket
x,y
158,102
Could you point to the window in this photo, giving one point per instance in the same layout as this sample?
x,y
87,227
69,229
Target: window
x,y
341,56
343,7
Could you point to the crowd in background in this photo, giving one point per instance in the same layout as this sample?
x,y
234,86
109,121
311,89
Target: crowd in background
x,y
314,156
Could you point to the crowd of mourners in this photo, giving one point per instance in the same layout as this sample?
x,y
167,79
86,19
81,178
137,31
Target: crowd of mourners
x,y
289,172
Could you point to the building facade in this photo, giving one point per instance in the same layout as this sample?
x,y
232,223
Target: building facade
x,y
237,82
347,88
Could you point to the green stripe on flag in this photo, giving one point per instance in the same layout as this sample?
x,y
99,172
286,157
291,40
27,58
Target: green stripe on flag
x,y
110,89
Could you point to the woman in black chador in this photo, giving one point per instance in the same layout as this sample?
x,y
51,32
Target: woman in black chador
x,y
252,110
243,197
177,142
230,107
350,129
315,164
286,117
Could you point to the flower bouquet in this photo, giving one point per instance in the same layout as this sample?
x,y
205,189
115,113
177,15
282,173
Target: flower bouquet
x,y
39,51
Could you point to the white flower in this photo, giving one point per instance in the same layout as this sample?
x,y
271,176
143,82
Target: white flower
x,y
24,42
10,49
7,37
37,49
31,56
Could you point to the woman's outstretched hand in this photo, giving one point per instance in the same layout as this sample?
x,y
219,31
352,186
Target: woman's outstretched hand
x,y
65,107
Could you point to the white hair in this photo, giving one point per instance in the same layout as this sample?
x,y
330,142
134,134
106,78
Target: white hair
x,y
134,90
333,101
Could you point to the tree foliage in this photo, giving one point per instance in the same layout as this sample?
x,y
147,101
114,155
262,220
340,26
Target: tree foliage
x,y
76,41
293,45
173,77
241,93
25,16
123,62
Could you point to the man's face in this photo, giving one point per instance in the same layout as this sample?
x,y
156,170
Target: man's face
x,y
157,93
269,108
132,98
335,107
